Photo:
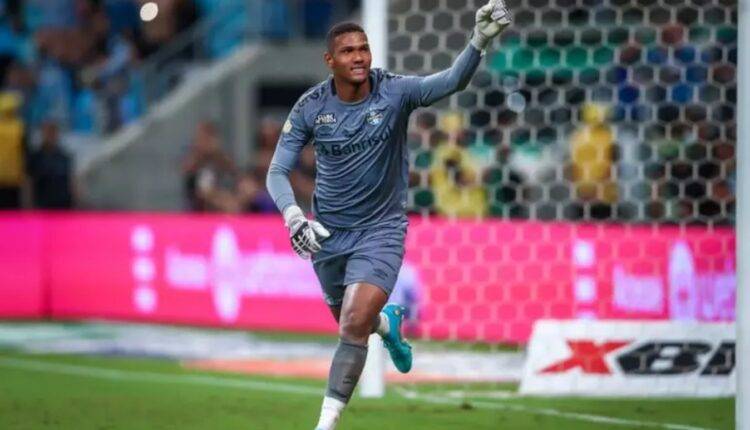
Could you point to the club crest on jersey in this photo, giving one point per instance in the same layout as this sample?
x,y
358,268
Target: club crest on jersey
x,y
325,118
374,117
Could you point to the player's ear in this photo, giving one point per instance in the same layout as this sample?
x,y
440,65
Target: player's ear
x,y
328,58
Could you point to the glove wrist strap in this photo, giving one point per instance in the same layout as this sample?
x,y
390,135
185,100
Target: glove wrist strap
x,y
293,214
479,41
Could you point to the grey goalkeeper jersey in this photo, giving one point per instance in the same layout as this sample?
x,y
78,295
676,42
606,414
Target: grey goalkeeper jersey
x,y
360,148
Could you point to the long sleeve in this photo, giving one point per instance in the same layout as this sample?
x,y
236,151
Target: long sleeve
x,y
277,180
426,90
294,137
442,84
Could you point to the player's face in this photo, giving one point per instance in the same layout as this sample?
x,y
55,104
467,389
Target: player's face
x,y
351,57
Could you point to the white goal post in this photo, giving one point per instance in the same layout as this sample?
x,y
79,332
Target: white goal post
x,y
743,212
375,23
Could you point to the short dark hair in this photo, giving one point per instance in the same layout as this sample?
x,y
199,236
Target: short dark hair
x,y
339,29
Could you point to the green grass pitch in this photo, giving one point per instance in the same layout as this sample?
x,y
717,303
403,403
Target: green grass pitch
x,y
82,392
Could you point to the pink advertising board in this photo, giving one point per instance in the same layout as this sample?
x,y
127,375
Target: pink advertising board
x,y
470,281
183,269
490,281
21,266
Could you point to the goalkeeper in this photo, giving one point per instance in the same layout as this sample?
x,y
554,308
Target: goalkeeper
x,y
357,121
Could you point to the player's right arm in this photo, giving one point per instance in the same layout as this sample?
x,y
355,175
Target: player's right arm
x,y
295,134
305,235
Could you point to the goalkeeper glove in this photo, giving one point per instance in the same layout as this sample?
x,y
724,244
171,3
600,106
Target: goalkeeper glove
x,y
305,235
491,20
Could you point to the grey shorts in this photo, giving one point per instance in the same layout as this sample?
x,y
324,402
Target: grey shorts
x,y
350,256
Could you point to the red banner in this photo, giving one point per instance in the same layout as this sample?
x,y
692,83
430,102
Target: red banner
x,y
470,281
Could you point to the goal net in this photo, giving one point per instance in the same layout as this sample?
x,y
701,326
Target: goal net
x,y
587,172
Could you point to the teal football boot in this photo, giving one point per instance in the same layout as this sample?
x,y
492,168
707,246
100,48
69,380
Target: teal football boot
x,y
396,345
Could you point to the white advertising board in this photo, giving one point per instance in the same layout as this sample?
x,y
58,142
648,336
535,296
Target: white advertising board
x,y
641,358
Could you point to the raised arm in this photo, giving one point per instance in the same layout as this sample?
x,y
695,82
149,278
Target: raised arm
x,y
491,20
442,84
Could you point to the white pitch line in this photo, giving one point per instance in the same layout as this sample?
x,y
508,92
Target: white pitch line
x,y
546,411
135,375
500,394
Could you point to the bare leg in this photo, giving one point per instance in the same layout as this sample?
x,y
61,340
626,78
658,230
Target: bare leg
x,y
359,312
336,312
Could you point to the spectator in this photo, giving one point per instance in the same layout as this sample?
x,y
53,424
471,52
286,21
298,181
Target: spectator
x,y
252,195
456,175
55,14
592,149
19,80
174,17
51,172
209,172
11,152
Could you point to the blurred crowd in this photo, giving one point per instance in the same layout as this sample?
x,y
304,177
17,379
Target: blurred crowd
x,y
72,60
623,113
64,68
214,183
602,170
69,60
71,66
616,111
41,178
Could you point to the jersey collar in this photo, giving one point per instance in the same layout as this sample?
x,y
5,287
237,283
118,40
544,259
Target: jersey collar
x,y
373,87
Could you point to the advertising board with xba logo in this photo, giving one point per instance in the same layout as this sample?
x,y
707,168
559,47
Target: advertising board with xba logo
x,y
614,358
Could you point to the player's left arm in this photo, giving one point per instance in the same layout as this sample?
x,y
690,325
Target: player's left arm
x,y
491,20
